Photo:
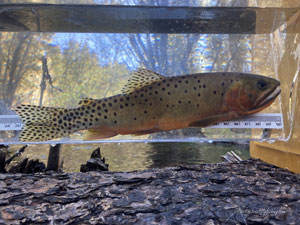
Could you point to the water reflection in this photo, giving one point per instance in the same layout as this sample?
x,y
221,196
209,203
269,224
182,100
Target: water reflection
x,y
138,156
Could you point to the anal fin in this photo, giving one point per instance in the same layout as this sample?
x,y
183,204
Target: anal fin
x,y
144,132
99,133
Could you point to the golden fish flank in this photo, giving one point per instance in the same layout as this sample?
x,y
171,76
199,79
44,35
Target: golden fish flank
x,y
151,103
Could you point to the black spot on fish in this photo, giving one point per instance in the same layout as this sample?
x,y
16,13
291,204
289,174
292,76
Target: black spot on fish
x,y
175,86
105,117
160,99
163,89
186,81
179,101
185,91
115,101
134,118
189,102
199,94
127,98
115,122
156,92
199,81
145,112
169,93
99,114
179,81
121,107
223,83
98,108
103,104
110,104
215,92
121,99
204,86
115,113
167,106
106,110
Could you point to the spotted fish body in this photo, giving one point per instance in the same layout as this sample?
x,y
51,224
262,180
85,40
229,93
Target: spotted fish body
x,y
152,103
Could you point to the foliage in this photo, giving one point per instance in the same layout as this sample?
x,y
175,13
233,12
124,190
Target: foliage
x,y
20,55
76,71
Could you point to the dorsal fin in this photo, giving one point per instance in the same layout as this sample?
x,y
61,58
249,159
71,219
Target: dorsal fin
x,y
85,101
139,79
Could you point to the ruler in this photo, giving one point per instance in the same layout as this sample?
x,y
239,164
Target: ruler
x,y
262,120
10,122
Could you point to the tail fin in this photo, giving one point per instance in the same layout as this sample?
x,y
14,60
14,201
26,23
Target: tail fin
x,y
44,123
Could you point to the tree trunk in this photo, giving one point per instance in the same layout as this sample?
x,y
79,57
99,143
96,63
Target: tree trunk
x,y
248,192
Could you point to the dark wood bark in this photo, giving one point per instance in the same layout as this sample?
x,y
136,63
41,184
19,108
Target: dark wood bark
x,y
248,192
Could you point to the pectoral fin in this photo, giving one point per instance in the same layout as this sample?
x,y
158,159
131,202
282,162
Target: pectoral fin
x,y
211,120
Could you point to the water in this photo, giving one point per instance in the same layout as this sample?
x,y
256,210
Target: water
x,y
139,156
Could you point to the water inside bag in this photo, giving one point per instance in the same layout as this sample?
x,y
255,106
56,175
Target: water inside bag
x,y
92,56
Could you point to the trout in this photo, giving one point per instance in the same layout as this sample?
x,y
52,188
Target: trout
x,y
151,103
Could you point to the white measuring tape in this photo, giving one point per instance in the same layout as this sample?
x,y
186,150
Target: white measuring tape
x,y
263,120
10,122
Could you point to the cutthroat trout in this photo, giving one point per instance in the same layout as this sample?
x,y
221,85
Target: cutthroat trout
x,y
151,103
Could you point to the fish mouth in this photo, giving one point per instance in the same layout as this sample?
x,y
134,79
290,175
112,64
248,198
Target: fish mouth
x,y
268,97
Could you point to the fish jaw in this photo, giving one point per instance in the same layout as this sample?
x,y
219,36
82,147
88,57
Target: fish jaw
x,y
267,101
238,99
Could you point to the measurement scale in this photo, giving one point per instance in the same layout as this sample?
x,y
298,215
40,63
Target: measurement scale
x,y
263,120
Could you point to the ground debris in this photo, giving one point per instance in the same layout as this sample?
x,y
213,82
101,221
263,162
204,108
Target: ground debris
x,y
95,163
221,193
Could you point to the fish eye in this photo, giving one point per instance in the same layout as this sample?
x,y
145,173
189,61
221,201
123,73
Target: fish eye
x,y
262,85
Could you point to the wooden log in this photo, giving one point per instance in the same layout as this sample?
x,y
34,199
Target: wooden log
x,y
247,192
